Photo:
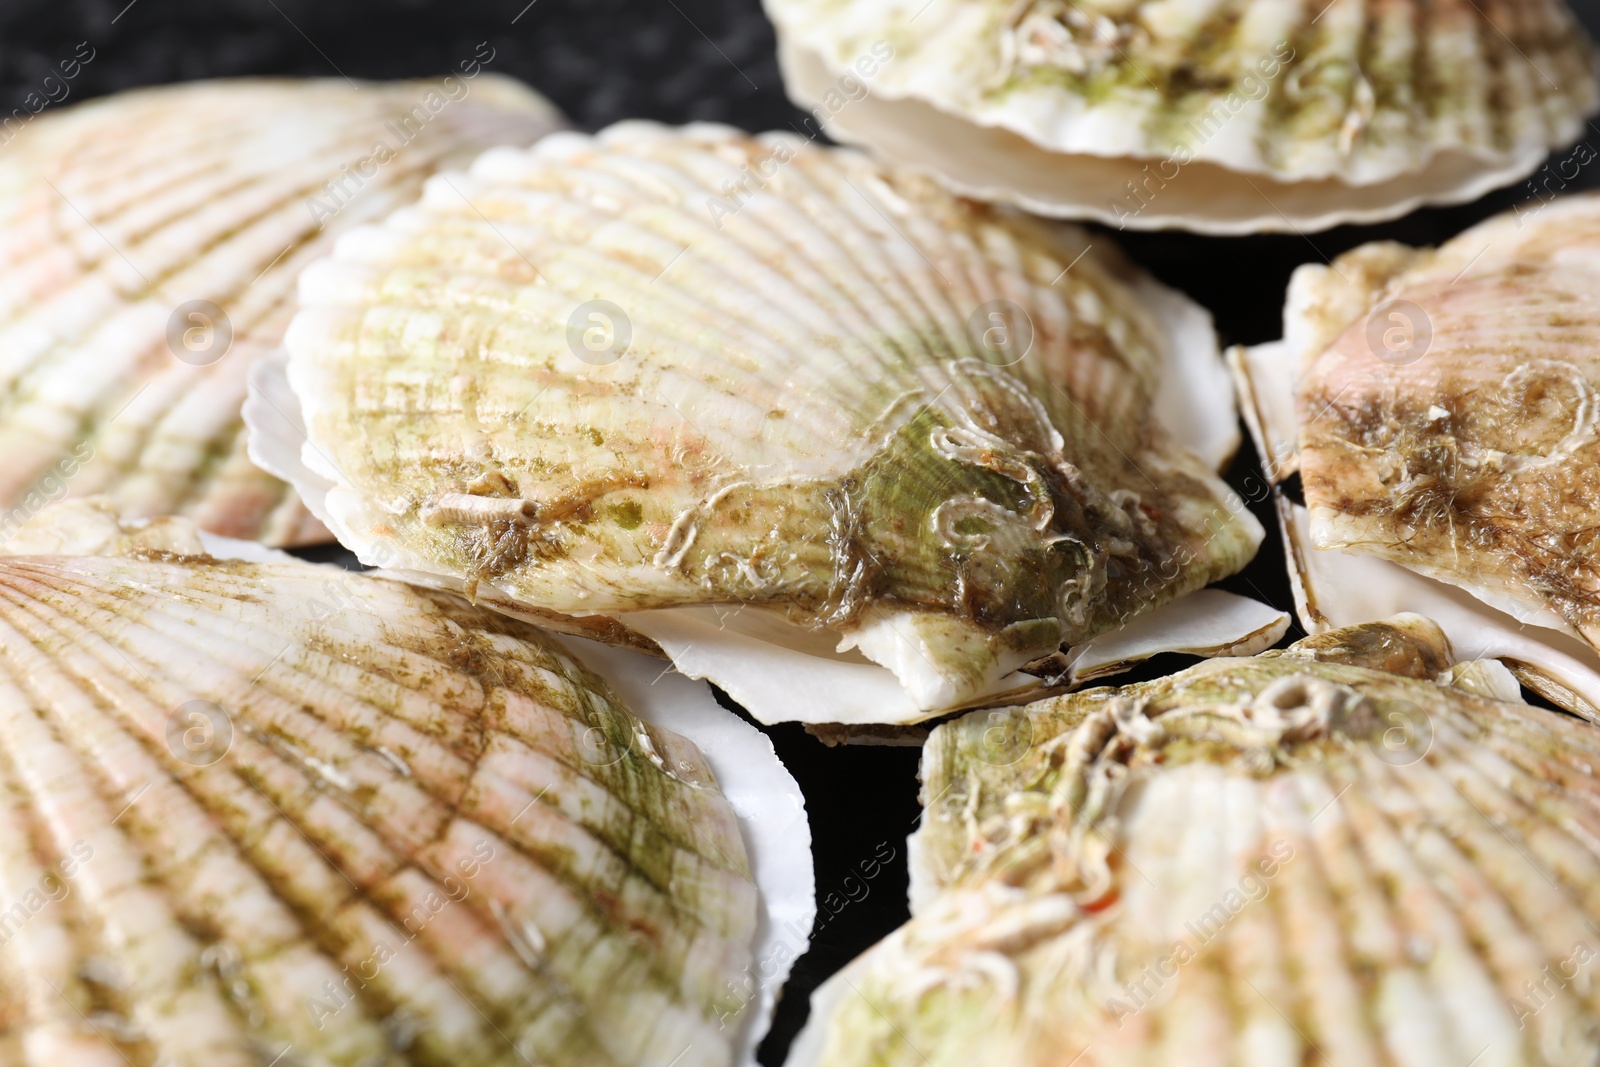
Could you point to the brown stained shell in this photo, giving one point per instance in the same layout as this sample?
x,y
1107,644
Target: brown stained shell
x,y
149,245
271,813
1440,409
1340,853
1464,443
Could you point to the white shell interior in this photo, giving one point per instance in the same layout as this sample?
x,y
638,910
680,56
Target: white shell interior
x,y
1209,622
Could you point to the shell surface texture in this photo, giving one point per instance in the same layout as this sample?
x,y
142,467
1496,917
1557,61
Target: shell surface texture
x,y
1225,117
695,370
1480,455
1353,851
1440,408
150,243
273,813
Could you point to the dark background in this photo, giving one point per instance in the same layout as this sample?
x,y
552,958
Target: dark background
x,y
675,61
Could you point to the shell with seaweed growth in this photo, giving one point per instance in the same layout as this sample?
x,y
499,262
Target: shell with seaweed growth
x,y
1440,408
1354,851
1228,117
271,813
803,421
149,245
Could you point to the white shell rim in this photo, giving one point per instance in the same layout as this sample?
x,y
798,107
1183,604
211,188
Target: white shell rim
x,y
773,682
1294,207
1195,402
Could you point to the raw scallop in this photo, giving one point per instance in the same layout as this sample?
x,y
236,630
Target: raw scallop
x,y
263,813
1355,851
794,417
1440,409
149,245
1223,117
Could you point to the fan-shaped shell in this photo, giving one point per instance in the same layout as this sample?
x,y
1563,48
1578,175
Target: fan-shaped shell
x,y
1343,853
1223,117
275,813
1440,407
786,406
149,244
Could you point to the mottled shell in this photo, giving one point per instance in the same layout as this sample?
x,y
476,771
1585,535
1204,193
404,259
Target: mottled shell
x,y
149,245
1223,117
1466,444
259,814
1440,408
679,368
1348,853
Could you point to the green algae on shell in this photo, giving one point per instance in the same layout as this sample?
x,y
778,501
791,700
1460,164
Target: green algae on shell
x,y
1224,117
1350,851
150,241
795,426
1439,406
259,810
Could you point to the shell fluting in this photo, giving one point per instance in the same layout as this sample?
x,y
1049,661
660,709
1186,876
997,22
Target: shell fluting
x,y
149,244
1290,91
1448,409
251,811
1271,860
1223,117
659,367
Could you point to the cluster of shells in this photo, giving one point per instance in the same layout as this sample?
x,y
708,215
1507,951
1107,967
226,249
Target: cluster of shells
x,y
873,441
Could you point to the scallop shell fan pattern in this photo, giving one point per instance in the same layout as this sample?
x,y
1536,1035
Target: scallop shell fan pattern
x,y
1339,89
658,368
128,223
1467,446
1352,852
259,814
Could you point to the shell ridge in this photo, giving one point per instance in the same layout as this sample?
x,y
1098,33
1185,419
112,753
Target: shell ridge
x,y
286,692
112,899
1446,833
252,207
284,800
182,865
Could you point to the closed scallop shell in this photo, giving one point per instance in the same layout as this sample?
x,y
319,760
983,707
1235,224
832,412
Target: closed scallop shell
x,y
754,398
149,244
268,813
1225,117
1349,852
1440,408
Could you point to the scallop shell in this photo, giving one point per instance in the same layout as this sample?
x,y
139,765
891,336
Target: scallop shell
x,y
149,244
1440,409
734,391
1228,117
96,526
276,813
1349,852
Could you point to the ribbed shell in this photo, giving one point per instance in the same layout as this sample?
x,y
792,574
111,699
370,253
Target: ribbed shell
x,y
1273,862
800,419
270,814
1469,447
1343,89
116,213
